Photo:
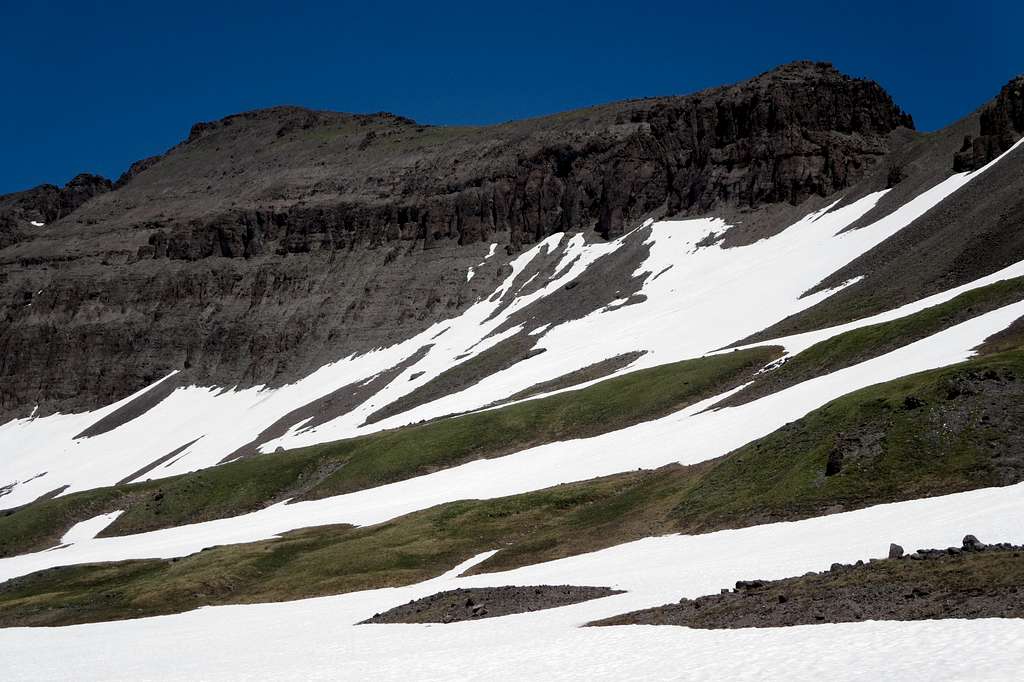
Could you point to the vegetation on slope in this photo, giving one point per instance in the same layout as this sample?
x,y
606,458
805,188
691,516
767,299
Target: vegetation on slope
x,y
353,464
880,444
858,345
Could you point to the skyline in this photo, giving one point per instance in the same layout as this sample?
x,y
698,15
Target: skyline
x,y
93,89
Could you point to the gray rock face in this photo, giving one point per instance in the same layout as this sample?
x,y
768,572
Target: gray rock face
x,y
45,204
1002,124
271,242
972,544
803,129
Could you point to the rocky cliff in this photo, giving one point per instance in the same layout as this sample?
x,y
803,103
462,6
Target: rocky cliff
x,y
271,242
1001,123
45,204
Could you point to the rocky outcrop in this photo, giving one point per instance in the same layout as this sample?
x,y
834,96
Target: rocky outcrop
x,y
49,203
452,606
271,242
135,169
45,204
801,130
974,580
1001,125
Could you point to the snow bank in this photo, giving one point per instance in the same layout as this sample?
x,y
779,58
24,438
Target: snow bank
x,y
317,638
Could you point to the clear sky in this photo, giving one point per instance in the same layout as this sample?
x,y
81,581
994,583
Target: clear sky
x,y
93,86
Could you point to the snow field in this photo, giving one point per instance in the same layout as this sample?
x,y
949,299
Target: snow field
x,y
317,638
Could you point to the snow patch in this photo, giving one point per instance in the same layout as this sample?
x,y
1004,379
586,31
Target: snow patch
x,y
315,638
89,529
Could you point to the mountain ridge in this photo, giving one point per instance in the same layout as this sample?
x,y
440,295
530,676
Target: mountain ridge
x,y
314,355
286,226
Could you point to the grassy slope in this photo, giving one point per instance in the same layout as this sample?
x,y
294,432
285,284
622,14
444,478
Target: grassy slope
x,y
858,345
891,452
353,464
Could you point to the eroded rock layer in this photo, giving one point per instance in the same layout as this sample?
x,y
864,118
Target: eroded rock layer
x,y
271,242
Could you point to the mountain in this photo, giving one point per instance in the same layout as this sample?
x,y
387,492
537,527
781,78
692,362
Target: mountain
x,y
311,235
45,204
573,368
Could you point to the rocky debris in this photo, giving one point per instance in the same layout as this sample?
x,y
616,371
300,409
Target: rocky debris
x,y
749,584
975,580
1001,125
488,602
79,190
233,322
854,449
20,211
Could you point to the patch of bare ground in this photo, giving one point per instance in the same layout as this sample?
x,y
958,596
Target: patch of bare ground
x,y
974,580
451,606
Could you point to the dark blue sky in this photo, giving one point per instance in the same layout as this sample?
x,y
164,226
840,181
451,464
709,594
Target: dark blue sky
x,y
93,86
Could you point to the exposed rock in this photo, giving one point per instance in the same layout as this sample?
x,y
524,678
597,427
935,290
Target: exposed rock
x,y
972,233
933,584
135,169
487,602
45,204
972,544
1002,124
895,551
303,237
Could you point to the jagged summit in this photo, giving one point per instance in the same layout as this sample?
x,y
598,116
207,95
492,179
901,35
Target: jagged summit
x,y
20,211
1001,124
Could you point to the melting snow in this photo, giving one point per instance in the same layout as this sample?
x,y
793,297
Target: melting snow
x,y
716,295
88,529
317,638
689,436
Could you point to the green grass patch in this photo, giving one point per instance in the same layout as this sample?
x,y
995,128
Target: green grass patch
x,y
933,433
858,345
358,463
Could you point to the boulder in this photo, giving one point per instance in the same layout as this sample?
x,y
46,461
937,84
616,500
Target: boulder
x,y
972,544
